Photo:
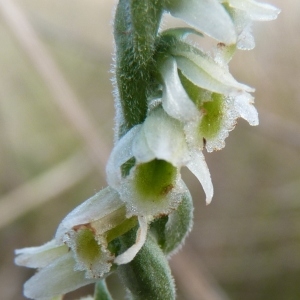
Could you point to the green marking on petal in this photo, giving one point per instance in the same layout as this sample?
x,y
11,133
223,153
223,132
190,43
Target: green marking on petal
x,y
213,116
209,103
126,167
121,229
196,94
155,179
86,245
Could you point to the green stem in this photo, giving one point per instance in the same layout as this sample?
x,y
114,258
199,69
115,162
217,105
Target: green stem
x,y
135,29
148,276
101,291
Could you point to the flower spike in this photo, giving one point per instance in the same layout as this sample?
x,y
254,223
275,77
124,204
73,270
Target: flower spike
x,y
173,100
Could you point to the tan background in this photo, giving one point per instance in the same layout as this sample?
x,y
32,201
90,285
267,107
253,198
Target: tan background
x,y
245,245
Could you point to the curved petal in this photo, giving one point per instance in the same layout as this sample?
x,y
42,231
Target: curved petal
x,y
121,153
208,16
181,32
198,167
98,207
175,100
165,137
56,279
140,148
131,252
39,257
243,25
243,104
204,72
255,10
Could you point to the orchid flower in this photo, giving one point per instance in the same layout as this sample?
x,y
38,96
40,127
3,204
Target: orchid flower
x,y
206,89
79,253
153,186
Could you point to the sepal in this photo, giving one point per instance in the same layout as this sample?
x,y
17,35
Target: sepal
x,y
172,230
56,279
207,16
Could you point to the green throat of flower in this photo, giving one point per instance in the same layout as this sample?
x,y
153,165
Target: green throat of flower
x,y
211,121
210,104
86,246
155,179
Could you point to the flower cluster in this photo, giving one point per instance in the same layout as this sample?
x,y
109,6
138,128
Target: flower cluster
x,y
192,103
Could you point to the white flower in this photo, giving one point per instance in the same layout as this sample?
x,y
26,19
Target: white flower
x,y
79,255
217,98
56,275
153,186
243,12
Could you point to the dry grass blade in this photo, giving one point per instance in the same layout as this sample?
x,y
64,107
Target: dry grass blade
x,y
37,191
196,283
62,93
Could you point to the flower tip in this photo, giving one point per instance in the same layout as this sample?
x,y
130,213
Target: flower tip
x,y
273,12
209,194
131,252
208,200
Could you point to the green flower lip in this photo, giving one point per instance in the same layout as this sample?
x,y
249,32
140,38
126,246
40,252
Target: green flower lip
x,y
155,179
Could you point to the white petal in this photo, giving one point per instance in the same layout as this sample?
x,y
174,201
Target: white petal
x,y
121,153
94,209
208,16
243,27
193,135
140,148
223,54
243,105
228,122
255,10
204,72
175,100
56,279
131,252
181,32
38,257
198,167
165,137
246,39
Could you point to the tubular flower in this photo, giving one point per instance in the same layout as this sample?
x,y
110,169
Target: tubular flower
x,y
79,254
153,186
195,82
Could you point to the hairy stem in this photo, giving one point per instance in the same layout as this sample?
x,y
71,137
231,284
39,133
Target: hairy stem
x,y
135,29
148,276
101,291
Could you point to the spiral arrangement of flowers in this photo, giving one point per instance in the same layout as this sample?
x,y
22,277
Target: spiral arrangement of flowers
x,y
173,100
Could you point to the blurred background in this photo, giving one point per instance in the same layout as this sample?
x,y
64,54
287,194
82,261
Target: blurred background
x,y
56,132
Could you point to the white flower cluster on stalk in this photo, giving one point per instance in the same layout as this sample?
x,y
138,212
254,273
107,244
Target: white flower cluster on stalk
x,y
192,104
